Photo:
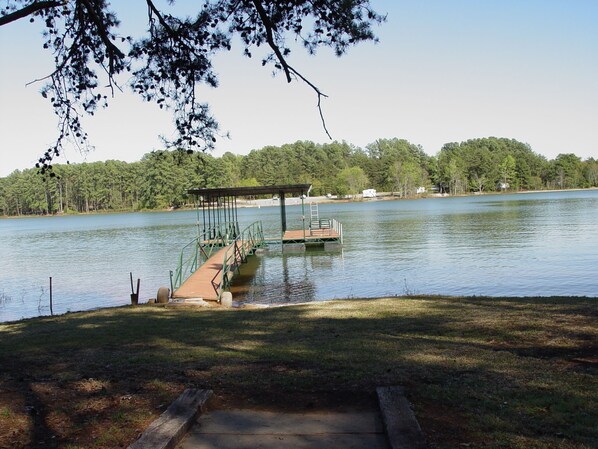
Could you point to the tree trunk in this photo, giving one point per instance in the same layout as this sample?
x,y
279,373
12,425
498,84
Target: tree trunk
x,y
60,209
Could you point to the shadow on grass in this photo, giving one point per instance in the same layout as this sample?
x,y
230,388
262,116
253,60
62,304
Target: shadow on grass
x,y
479,370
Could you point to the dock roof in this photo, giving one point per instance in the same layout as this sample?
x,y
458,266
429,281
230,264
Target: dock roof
x,y
250,191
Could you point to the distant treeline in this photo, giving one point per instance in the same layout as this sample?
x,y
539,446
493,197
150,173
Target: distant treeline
x,y
161,179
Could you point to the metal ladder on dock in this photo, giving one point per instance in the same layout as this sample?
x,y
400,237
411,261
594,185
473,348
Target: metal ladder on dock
x,y
314,216
316,225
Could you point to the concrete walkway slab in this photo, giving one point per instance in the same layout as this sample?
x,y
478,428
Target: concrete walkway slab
x,y
394,426
245,429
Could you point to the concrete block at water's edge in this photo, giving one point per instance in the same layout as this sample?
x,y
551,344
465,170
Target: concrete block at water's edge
x,y
226,300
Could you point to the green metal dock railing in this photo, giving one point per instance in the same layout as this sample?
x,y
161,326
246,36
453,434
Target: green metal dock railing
x,y
201,248
251,238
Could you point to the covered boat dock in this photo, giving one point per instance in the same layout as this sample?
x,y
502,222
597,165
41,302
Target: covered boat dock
x,y
208,263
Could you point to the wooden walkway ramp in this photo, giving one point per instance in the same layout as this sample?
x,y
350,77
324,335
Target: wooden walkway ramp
x,y
206,281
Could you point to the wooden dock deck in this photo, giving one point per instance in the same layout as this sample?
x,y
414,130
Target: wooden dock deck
x,y
205,282
311,236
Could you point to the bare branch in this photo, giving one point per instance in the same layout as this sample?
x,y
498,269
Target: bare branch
x,y
30,9
286,67
320,95
38,80
59,67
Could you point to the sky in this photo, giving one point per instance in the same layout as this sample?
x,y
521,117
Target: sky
x,y
442,71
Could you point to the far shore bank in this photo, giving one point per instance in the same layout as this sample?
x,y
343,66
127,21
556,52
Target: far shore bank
x,y
270,202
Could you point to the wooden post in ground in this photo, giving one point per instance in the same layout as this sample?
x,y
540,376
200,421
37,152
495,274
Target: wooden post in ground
x,y
134,295
51,307
402,428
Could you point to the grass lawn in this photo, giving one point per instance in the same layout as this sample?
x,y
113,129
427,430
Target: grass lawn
x,y
480,372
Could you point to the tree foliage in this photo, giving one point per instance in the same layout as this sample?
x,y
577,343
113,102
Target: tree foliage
x,y
161,179
350,181
486,164
174,56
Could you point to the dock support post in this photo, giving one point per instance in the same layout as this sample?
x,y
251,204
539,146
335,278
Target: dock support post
x,y
303,213
283,213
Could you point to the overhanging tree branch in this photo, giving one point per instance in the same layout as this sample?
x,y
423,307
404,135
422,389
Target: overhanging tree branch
x,y
28,10
320,95
154,11
286,67
176,54
113,50
270,38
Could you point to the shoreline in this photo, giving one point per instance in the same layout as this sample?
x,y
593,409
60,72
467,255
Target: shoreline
x,y
381,196
209,305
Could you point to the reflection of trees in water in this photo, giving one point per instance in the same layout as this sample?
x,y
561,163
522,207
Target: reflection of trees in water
x,y
495,228
4,298
282,278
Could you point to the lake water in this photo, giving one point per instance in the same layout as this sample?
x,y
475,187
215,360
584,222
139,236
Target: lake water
x,y
494,245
